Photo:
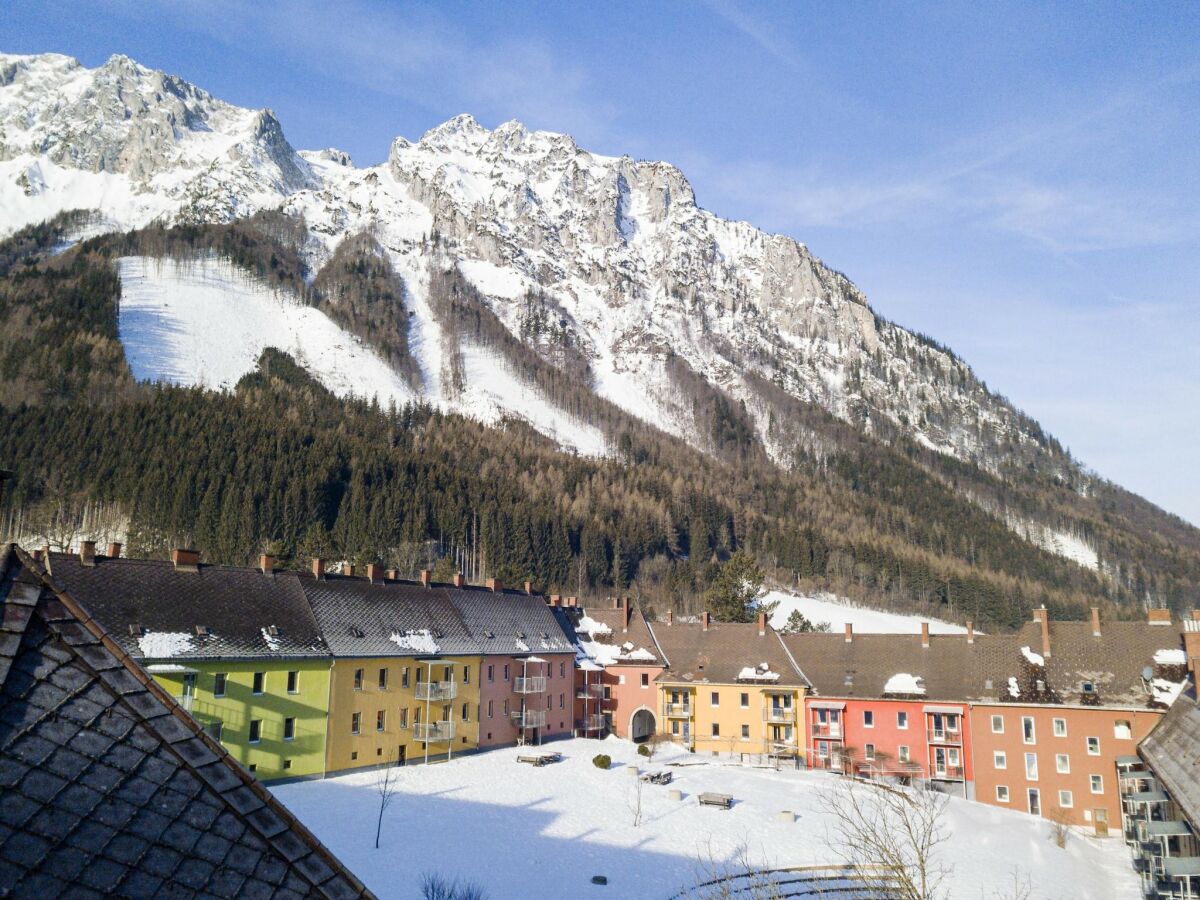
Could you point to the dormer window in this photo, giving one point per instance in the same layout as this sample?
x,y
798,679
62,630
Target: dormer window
x,y
489,634
1088,687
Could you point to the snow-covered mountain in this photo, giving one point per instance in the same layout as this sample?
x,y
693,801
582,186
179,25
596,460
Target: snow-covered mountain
x,y
656,294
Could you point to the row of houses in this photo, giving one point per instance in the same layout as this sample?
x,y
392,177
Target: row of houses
x,y
305,674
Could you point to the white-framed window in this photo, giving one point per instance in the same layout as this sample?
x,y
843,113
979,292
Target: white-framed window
x,y
219,682
1065,799
1097,784
1060,727
902,720
1093,746
904,754
1123,730
868,718
1000,759
1028,733
1031,771
869,752
997,724
1062,764
1002,793
620,679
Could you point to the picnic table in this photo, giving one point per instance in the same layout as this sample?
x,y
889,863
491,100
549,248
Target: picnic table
x,y
658,777
539,759
722,801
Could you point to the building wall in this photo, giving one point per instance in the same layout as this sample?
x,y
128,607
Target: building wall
x,y
741,728
498,698
396,741
1080,723
272,756
628,689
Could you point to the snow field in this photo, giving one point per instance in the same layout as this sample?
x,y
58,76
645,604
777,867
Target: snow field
x,y
521,831
835,612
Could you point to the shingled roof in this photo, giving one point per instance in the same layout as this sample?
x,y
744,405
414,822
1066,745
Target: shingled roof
x,y
108,787
1172,751
509,622
153,609
602,636
725,653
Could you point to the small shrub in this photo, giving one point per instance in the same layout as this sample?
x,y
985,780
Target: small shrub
x,y
603,761
644,750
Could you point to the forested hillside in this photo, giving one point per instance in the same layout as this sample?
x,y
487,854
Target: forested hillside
x,y
280,463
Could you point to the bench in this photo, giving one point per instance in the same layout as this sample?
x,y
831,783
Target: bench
x,y
722,801
658,777
539,759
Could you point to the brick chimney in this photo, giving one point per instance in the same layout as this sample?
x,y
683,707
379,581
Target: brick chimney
x,y
494,585
1158,616
114,550
704,620
925,635
87,553
348,570
266,563
459,581
849,632
375,573
186,560
556,600
626,613
572,602
616,602
762,624
318,568
1095,621
392,574
970,632
1042,617
426,577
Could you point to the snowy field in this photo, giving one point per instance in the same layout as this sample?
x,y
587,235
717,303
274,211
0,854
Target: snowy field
x,y
827,608
521,831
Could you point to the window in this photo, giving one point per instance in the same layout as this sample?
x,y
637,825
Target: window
x,y
1060,727
506,706
1031,766
1000,759
214,730
714,699
289,729
259,678
1062,764
506,671
354,754
448,673
645,680
620,679
255,730
490,708
902,720
383,679
562,670
381,720
1093,746
1097,783
1065,799
358,679
1123,730
491,674
253,767
744,699
868,719
904,757
466,713
1027,732
745,732
219,684
466,674
355,721
560,701
869,752
997,724
404,717
293,683
716,729
1001,793
287,763
674,726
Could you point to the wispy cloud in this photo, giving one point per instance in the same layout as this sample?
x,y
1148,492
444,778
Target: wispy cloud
x,y
762,33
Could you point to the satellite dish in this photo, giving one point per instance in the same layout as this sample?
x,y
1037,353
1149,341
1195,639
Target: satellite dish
x,y
1147,673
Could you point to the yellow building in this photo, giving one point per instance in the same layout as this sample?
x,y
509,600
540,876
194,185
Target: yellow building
x,y
729,688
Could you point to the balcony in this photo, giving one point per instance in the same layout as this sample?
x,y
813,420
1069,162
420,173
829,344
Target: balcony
x,y
433,732
532,684
436,690
591,723
782,714
944,737
529,718
947,773
831,731
186,701
590,692
678,710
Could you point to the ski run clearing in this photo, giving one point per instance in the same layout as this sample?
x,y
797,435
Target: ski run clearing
x,y
828,609
522,831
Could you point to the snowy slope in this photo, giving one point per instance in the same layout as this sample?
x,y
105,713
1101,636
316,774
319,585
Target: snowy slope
x,y
826,608
520,831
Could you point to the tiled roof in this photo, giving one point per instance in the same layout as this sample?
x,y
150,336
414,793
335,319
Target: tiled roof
x,y
510,622
247,614
107,787
1172,750
602,636
722,653
391,618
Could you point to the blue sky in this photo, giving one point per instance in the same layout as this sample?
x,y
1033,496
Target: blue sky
x,y
1019,181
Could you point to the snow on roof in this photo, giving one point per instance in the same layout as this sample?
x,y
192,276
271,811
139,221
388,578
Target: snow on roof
x,y
586,665
762,672
1036,658
534,659
608,654
903,683
271,639
591,626
1014,689
164,644
522,646
1170,657
418,641
641,653
1166,692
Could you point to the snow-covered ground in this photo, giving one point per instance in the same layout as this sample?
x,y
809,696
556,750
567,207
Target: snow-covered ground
x,y
836,612
521,831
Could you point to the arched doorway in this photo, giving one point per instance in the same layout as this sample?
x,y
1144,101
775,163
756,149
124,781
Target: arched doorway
x,y
641,725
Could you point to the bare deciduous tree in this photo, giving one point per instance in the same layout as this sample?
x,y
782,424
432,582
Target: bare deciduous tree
x,y
635,798
894,832
439,887
1060,826
386,786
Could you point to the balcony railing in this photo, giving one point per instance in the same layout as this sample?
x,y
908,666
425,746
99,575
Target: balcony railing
x,y
427,732
186,701
948,773
944,736
530,718
590,692
532,684
591,723
827,731
436,690
786,714
679,710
